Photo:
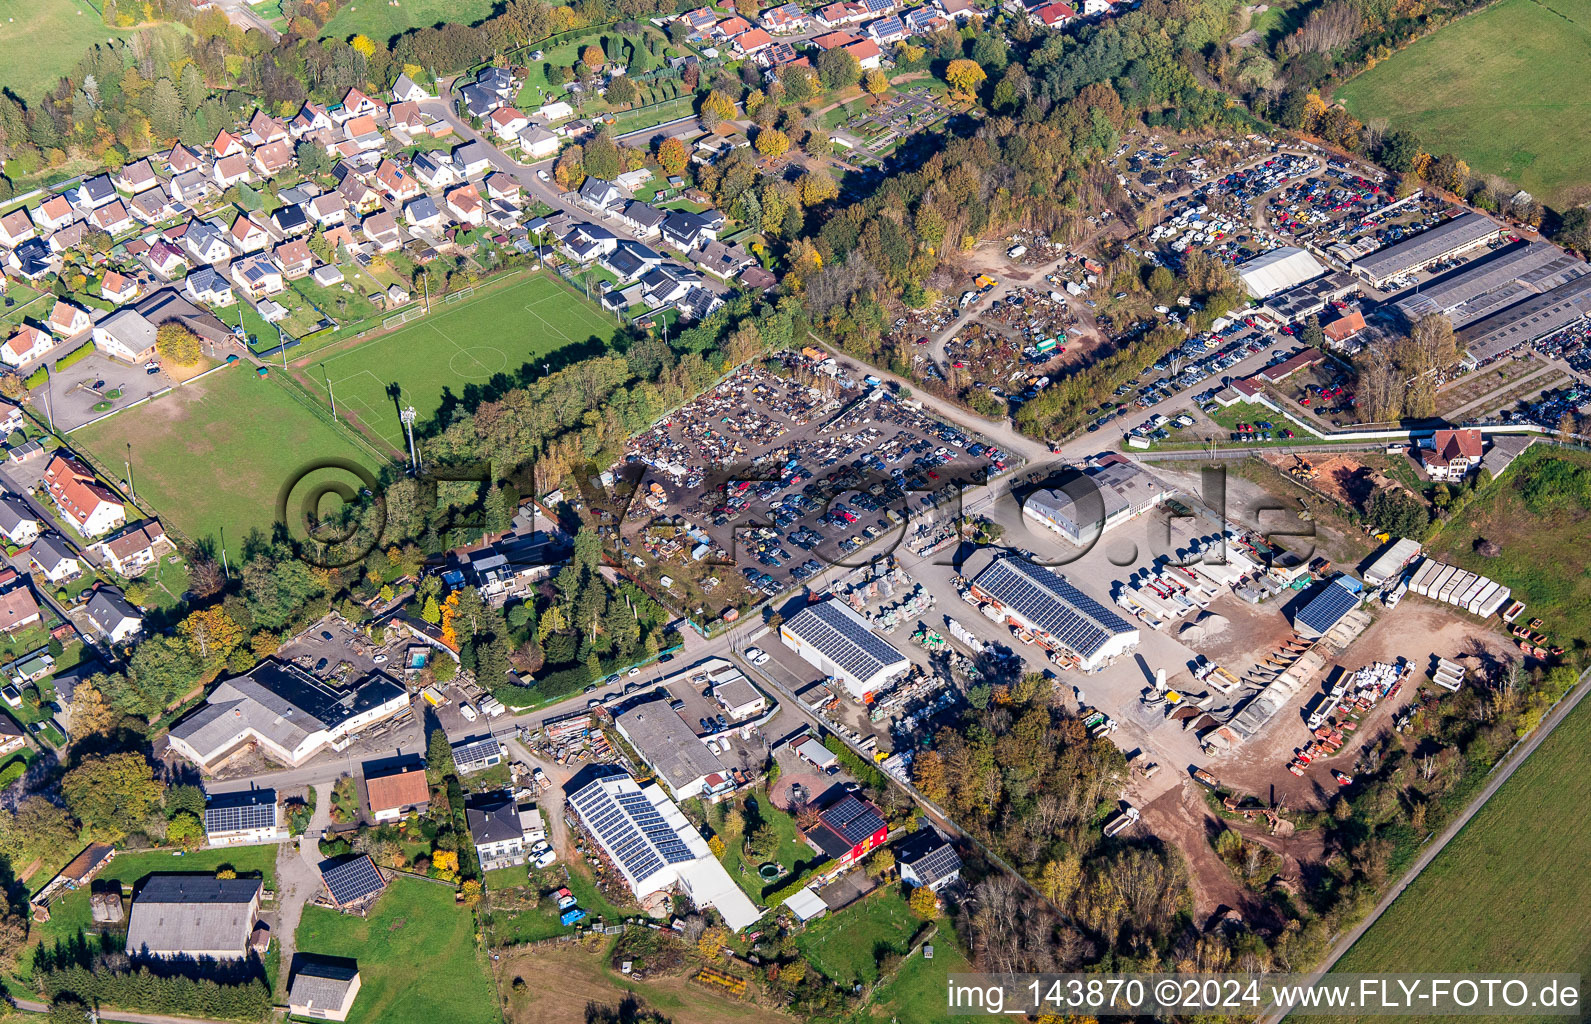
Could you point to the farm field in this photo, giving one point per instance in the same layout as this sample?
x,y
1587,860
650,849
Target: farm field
x,y
380,20
213,454
1503,905
565,980
504,330
413,923
45,38
1533,545
1491,88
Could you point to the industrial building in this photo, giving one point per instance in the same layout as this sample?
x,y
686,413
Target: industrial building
x,y
1522,323
1059,616
1278,271
1492,283
1309,298
285,712
680,758
1098,500
1391,561
1450,238
838,642
652,846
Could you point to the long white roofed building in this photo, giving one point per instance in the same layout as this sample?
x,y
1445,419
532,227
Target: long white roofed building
x,y
1060,617
838,642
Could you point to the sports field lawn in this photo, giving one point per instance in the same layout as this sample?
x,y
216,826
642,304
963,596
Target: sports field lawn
x,y
43,39
1512,892
500,330
414,924
846,945
381,20
1503,89
213,454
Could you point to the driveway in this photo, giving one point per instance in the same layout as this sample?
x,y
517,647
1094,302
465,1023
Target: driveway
x,y
297,882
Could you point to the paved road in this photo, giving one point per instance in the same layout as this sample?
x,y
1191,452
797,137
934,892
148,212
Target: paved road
x,y
297,882
1499,777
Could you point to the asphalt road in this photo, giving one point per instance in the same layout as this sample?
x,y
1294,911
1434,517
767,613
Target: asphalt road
x,y
1499,776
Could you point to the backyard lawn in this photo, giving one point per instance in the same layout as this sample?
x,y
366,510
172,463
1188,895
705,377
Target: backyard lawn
x,y
413,923
792,854
212,455
845,945
503,330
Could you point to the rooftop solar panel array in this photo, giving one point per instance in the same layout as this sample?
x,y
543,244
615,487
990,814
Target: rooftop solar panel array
x,y
1050,603
630,829
1327,607
240,816
939,862
841,638
476,752
853,819
352,880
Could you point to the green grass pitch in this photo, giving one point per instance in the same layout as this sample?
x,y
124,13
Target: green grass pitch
x,y
502,333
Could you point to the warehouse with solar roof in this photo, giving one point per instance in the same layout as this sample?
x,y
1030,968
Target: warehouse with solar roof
x,y
838,642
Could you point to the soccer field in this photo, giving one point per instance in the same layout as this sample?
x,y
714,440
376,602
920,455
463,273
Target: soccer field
x,y
1503,89
501,335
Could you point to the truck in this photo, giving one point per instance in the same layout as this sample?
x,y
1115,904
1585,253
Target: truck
x,y
1016,252
1205,778
1121,822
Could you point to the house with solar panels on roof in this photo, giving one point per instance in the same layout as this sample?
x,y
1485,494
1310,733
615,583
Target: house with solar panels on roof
x,y
1060,617
242,819
353,882
654,848
838,642
926,859
847,830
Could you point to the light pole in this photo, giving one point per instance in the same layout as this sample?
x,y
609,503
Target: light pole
x,y
325,377
132,487
407,415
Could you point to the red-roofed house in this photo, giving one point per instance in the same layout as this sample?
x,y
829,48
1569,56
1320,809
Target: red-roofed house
x,y
357,104
15,228
729,28
248,236
752,41
226,144
1287,367
1053,15
118,287
26,345
465,203
273,158
68,320
54,213
397,182
867,53
830,40
294,258
1453,453
1343,328
87,505
507,123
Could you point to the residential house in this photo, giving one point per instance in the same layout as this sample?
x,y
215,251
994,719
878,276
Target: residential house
x,y
194,917
133,551
360,197
18,522
406,90
53,559
757,279
381,230
867,53
294,258
207,243
258,277
423,214
311,118
784,20
587,242
15,228
67,320
69,237
151,205
166,260
18,610
94,192
538,143
958,10
600,196
497,81
246,818
273,158
730,27
887,30
230,170
645,220
1053,15
183,159
398,793
11,418
700,21
397,183
356,104
926,859
471,159
1452,454
925,20
206,285
686,231
126,335
248,236
54,214
26,344
328,210
720,260
291,221
506,123
112,218
835,15
364,134
495,829
667,284
118,287
464,202
112,615
190,187
32,259
227,144
478,102
435,170
11,738
409,119
502,187
848,830
264,130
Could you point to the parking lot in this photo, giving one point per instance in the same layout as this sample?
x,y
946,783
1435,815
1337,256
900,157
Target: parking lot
x,y
770,478
74,396
332,649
